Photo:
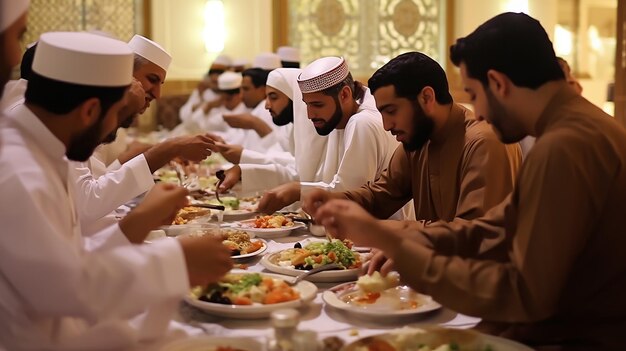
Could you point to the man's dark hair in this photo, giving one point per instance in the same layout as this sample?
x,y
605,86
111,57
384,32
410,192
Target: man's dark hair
x,y
26,67
215,71
258,76
409,73
514,44
60,97
290,64
356,88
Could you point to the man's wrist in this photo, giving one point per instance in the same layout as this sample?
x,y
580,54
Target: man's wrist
x,y
136,226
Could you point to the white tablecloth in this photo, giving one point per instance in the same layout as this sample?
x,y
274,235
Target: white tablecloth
x,y
325,320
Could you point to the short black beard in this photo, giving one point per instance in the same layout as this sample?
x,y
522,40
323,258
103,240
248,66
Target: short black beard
x,y
110,138
334,120
82,146
128,122
423,127
285,116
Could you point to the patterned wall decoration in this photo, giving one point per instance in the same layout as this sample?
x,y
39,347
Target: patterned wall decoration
x,y
367,33
116,17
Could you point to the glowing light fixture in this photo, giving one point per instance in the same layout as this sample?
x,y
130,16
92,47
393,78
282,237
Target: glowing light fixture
x,y
563,41
517,6
214,33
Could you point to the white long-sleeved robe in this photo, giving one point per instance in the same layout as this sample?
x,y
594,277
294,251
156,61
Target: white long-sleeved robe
x,y
186,111
97,196
261,170
54,295
357,153
13,94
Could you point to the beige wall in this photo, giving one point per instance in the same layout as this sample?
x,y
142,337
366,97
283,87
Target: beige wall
x,y
178,26
470,14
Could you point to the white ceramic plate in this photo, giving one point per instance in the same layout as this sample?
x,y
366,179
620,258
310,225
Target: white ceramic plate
x,y
393,303
211,343
307,291
189,228
496,343
270,262
236,215
267,233
257,252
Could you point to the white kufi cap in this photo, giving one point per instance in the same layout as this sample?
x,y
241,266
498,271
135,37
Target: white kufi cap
x,y
322,74
83,58
10,11
267,61
289,54
151,51
223,60
280,79
240,62
229,81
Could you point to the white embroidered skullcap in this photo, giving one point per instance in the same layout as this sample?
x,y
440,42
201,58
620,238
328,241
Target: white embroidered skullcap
x,y
10,11
267,61
278,79
240,62
322,74
229,81
151,51
289,54
83,58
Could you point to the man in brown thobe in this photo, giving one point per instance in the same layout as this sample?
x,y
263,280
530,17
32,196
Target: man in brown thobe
x,y
450,164
562,285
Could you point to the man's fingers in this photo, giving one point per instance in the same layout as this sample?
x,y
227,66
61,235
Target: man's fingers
x,y
386,268
228,183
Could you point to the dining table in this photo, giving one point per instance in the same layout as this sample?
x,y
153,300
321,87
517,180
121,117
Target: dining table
x,y
317,316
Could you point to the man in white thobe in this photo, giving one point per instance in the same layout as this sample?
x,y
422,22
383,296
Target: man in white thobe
x,y
54,295
358,149
257,124
229,89
205,97
264,170
101,189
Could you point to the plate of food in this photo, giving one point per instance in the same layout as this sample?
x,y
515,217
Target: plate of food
x,y
270,226
241,245
214,343
191,214
235,208
379,297
245,295
434,339
314,254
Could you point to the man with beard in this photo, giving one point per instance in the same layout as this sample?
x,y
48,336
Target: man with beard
x,y
343,111
229,90
205,97
452,166
149,69
561,285
257,126
258,171
101,189
93,300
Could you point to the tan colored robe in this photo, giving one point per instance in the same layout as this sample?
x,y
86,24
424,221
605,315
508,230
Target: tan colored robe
x,y
463,171
564,278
